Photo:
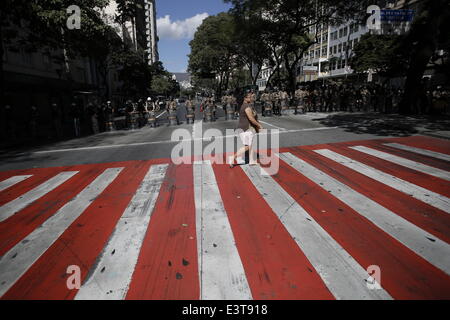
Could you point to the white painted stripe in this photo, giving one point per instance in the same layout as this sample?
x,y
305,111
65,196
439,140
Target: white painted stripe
x,y
22,256
161,114
197,129
170,141
111,276
436,251
425,152
343,276
434,199
222,275
282,129
405,162
5,184
14,206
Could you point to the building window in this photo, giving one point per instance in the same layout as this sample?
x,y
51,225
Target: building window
x,y
340,47
341,31
335,49
317,53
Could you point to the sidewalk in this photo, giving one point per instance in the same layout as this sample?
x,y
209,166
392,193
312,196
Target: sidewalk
x,y
385,124
438,134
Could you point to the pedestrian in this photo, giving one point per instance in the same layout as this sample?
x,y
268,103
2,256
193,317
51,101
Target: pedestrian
x,y
248,126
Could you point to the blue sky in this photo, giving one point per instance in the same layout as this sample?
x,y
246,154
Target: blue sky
x,y
177,22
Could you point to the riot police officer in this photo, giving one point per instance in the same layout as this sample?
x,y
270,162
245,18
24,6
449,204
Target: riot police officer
x,y
172,106
75,113
109,115
190,112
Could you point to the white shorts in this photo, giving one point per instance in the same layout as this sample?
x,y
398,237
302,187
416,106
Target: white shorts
x,y
247,137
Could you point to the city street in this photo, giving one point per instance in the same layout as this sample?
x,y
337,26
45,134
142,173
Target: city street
x,y
224,158
353,196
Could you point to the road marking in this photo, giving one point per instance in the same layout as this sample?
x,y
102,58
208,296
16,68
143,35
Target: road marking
x,y
279,128
197,129
14,206
170,141
425,152
422,194
344,277
221,273
112,275
404,162
161,114
23,255
5,184
436,251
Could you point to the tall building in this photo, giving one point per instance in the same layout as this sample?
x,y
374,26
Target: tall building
x,y
151,31
140,32
330,59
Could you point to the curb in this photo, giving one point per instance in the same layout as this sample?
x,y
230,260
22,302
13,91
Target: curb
x,y
435,135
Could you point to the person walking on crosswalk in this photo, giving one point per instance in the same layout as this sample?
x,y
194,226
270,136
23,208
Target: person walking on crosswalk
x,y
248,126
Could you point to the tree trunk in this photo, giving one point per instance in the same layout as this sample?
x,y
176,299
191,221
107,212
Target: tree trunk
x,y
425,34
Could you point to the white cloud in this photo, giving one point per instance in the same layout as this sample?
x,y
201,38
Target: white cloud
x,y
181,29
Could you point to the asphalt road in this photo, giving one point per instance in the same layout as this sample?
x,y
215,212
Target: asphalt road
x,y
151,143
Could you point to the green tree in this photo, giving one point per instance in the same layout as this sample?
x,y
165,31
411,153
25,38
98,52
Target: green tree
x,y
429,32
213,51
42,25
290,27
382,54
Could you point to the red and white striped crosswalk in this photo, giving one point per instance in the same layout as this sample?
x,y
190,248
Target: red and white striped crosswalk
x,y
155,230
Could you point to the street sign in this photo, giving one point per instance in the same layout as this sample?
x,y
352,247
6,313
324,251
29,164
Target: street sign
x,y
396,15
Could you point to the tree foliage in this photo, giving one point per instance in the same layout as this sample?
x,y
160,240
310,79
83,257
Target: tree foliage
x,y
289,28
380,53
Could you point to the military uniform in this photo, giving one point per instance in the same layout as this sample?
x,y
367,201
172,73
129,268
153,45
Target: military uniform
x,y
109,116
265,99
275,99
173,112
284,101
190,111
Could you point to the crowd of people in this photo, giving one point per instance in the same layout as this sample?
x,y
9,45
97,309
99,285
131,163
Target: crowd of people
x,y
350,97
77,118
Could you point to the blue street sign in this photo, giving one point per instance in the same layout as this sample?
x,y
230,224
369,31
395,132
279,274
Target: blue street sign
x,y
396,15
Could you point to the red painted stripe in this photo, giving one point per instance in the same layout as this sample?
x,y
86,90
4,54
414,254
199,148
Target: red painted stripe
x,y
421,179
429,143
423,215
275,266
20,225
404,274
167,267
82,241
429,161
28,184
